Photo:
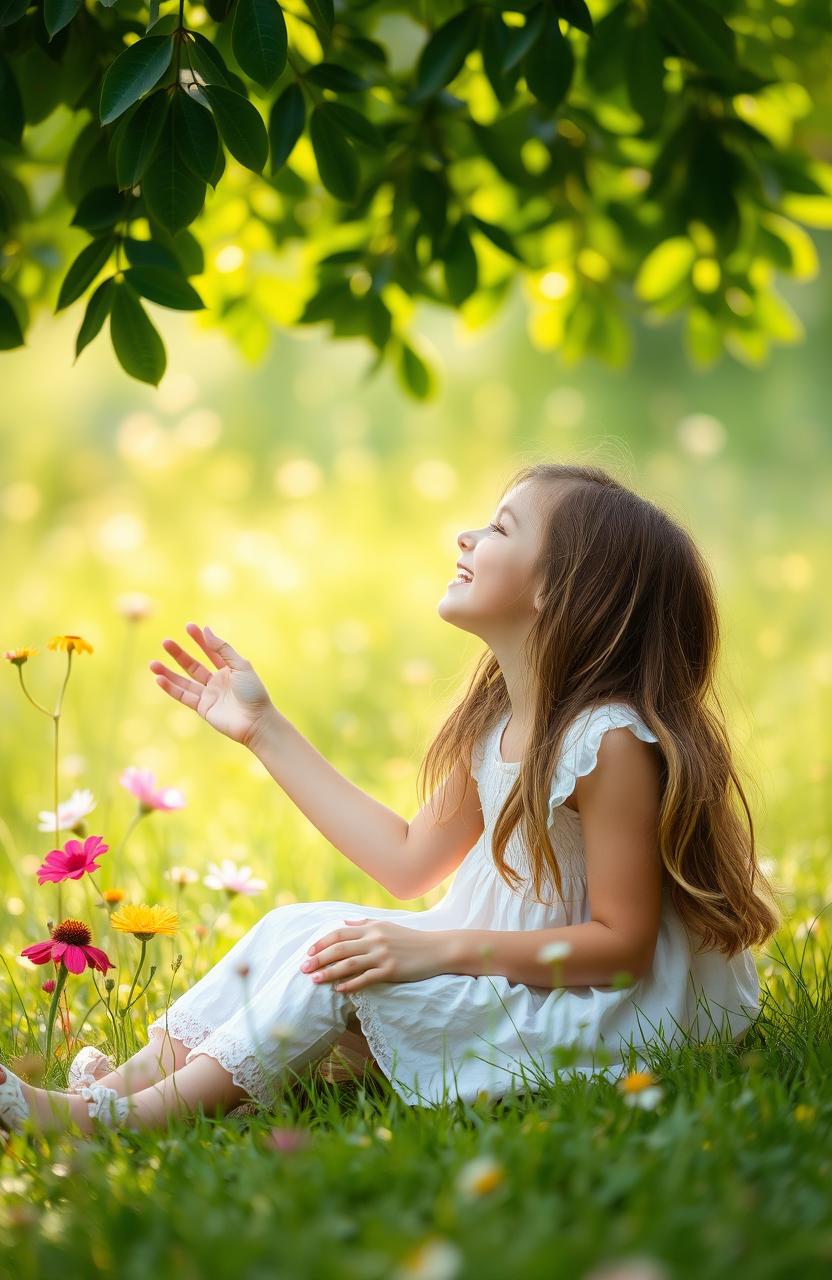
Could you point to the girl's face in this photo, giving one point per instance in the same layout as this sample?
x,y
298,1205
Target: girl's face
x,y
499,602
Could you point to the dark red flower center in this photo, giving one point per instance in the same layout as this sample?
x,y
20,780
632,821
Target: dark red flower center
x,y
73,932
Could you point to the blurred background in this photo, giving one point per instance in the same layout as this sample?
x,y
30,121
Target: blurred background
x,y
311,518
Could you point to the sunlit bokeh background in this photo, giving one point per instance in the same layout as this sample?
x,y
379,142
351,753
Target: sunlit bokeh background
x,y
311,518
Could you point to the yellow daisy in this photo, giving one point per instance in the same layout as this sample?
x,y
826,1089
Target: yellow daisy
x,y
19,656
635,1081
145,922
67,643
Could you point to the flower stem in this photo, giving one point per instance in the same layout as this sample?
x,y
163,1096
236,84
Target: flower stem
x,y
135,977
53,1009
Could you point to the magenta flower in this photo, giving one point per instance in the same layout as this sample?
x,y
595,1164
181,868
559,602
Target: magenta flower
x,y
69,946
48,986
71,862
142,784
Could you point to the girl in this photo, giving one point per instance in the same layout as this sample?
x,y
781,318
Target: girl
x,y
606,885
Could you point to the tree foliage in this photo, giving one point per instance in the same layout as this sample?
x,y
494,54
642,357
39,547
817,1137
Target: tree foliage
x,y
618,156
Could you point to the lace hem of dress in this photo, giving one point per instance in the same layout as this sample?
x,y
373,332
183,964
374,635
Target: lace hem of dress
x,y
245,1069
374,1033
580,758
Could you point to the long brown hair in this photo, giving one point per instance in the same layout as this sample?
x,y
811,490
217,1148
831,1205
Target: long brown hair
x,y
629,614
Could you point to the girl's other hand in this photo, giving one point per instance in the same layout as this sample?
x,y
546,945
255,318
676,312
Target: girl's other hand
x,y
233,698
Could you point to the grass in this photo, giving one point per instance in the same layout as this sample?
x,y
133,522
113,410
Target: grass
x,y
729,1173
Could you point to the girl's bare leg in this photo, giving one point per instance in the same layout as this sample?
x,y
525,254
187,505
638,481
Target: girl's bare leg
x,y
159,1058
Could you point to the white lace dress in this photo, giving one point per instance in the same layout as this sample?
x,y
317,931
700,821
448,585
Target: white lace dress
x,y
455,1035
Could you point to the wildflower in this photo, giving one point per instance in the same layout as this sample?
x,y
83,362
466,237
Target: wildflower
x,y
70,813
113,896
640,1089
69,947
70,644
384,1133
142,784
48,986
19,656
243,970
181,876
145,922
287,1138
480,1176
433,1259
232,879
554,951
134,605
73,861
803,1113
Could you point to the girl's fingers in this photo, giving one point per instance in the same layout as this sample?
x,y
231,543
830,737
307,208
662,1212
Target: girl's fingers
x,y
229,655
182,695
190,686
196,633
189,664
366,979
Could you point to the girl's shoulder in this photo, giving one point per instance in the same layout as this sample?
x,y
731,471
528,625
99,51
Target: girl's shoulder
x,y
582,740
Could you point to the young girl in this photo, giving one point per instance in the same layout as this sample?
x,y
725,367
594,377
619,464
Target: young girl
x,y
606,886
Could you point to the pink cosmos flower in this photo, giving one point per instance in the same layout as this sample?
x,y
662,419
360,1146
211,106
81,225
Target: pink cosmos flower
x,y
70,946
142,784
232,878
71,862
70,812
48,986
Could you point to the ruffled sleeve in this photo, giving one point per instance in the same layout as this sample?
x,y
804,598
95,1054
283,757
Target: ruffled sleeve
x,y
582,740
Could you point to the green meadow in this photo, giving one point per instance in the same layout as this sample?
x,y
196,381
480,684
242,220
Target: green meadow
x,y
310,516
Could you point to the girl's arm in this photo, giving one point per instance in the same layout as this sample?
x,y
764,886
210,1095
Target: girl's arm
x,y
408,859
619,806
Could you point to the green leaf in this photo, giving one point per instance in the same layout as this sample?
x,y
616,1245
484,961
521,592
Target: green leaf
x,y
331,75
445,52
173,194
286,121
58,14
11,106
576,14
167,288
140,138
84,269
100,209
134,73
460,265
209,62
323,14
147,253
664,268
259,40
429,191
137,344
645,73
521,39
241,126
356,125
414,374
549,66
196,136
699,33
98,308
11,334
498,237
334,155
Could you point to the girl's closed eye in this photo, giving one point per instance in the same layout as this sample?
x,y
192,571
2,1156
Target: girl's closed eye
x,y
498,527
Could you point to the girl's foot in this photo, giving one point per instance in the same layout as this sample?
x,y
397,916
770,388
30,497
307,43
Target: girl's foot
x,y
21,1102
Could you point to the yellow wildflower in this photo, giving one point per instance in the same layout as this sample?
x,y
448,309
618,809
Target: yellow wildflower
x,y
68,643
636,1081
480,1176
19,656
145,922
113,895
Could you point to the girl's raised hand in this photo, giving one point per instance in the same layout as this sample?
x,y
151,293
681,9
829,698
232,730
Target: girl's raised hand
x,y
233,698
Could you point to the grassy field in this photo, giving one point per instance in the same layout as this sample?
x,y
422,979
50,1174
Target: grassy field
x,y
313,522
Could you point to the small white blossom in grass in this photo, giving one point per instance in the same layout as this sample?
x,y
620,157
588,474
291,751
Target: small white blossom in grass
x,y
233,879
70,813
554,951
635,1268
641,1089
386,1134
282,1031
134,605
479,1177
181,875
433,1259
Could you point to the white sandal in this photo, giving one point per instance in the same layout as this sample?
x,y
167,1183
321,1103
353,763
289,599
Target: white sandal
x,y
87,1067
102,1104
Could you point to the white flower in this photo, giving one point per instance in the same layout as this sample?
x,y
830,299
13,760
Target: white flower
x,y
282,1031
232,879
479,1176
434,1259
554,951
646,1098
134,605
70,813
181,875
